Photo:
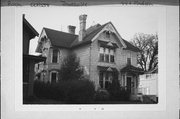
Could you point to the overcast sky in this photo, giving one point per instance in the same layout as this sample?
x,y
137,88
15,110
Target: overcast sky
x,y
127,20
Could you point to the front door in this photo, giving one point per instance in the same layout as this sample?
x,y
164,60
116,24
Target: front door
x,y
129,80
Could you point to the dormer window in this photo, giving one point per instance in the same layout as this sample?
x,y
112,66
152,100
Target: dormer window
x,y
55,56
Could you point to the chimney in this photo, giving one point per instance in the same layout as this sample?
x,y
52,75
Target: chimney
x,y
82,19
71,29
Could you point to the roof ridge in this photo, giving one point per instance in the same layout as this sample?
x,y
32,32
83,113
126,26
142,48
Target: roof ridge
x,y
59,31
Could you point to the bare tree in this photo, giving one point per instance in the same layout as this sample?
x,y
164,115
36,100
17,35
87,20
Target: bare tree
x,y
148,44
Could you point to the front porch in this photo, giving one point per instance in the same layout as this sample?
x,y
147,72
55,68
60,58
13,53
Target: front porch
x,y
130,79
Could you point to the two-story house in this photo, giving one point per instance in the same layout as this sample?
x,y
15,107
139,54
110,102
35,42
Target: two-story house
x,y
103,53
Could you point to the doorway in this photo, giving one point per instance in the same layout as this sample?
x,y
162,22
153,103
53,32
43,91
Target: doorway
x,y
129,82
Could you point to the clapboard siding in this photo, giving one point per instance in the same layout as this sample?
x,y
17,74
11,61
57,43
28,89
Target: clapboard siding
x,y
120,58
83,53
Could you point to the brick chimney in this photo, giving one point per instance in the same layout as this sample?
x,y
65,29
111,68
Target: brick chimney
x,y
71,29
82,19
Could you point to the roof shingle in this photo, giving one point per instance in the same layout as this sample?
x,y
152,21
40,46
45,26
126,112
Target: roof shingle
x,y
59,38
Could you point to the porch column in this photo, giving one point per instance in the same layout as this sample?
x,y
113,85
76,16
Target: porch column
x,y
125,83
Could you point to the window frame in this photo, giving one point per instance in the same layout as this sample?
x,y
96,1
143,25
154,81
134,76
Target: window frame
x,y
106,56
54,72
57,55
106,78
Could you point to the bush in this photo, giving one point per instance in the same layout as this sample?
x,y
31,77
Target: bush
x,y
118,93
77,91
43,90
71,91
102,95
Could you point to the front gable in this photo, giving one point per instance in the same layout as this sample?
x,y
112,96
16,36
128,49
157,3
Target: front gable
x,y
43,42
115,37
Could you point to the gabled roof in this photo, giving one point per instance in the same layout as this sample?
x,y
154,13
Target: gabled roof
x,y
59,38
67,40
132,69
29,27
89,36
131,47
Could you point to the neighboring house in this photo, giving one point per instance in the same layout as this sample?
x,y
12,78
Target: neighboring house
x,y
148,84
103,53
28,60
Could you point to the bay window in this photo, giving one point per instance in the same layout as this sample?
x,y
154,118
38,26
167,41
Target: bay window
x,y
105,79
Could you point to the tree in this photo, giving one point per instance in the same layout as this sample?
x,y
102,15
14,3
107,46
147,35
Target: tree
x,y
148,44
70,68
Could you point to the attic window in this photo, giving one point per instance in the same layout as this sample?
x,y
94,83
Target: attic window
x,y
44,39
107,34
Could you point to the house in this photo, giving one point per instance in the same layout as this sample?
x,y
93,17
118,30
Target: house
x,y
29,61
103,53
148,84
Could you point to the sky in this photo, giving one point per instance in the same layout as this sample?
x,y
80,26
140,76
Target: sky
x,y
127,20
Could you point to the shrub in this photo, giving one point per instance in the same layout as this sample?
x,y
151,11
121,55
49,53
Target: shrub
x,y
42,89
78,91
118,93
71,91
102,95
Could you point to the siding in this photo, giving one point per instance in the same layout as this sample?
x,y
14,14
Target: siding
x,y
84,55
120,58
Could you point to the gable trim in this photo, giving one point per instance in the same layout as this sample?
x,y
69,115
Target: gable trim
x,y
105,28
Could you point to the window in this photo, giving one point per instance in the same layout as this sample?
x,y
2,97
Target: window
x,y
101,79
106,55
105,79
55,56
101,54
107,34
112,55
129,61
53,77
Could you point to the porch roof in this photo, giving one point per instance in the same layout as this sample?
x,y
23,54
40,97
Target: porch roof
x,y
104,68
132,69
